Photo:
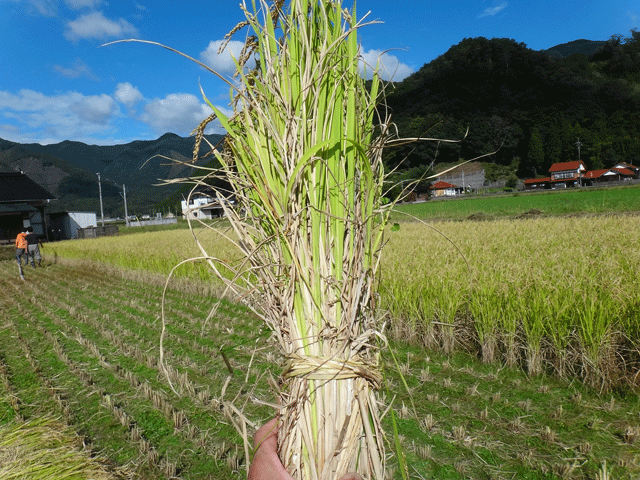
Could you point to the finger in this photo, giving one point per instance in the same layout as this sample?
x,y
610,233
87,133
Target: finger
x,y
268,432
266,465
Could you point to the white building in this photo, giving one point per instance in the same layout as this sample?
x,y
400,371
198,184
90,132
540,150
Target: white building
x,y
65,225
202,207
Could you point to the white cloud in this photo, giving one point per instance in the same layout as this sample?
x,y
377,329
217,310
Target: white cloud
x,y
80,4
49,8
96,109
95,25
127,94
7,127
223,62
46,8
78,69
389,66
46,119
489,12
28,116
178,113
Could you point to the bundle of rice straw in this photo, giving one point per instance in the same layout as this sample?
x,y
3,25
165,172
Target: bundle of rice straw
x,y
44,448
303,158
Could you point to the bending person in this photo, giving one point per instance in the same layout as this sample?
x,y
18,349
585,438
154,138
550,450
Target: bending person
x,y
33,248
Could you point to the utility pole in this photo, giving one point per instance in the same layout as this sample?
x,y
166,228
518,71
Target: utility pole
x,y
126,214
100,190
578,144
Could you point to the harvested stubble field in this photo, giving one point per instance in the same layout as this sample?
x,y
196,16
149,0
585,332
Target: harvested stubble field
x,y
79,341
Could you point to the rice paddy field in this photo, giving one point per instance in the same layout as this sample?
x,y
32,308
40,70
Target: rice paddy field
x,y
555,295
512,351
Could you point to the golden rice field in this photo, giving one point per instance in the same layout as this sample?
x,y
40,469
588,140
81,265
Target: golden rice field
x,y
549,294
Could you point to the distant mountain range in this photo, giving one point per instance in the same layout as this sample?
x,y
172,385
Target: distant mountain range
x,y
68,169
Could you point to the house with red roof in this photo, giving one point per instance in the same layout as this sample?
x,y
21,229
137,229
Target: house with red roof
x,y
628,166
593,176
445,189
624,172
567,174
614,174
571,174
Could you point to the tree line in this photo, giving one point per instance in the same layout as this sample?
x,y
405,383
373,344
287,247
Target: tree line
x,y
529,107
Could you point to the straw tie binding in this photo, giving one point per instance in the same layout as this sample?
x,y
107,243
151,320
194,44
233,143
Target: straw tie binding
x,y
318,368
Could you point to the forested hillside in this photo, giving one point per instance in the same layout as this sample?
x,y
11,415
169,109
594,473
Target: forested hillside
x,y
530,106
68,170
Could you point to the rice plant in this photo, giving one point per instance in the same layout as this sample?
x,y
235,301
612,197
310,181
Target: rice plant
x,y
512,313
538,314
46,448
597,314
486,308
561,329
448,303
304,162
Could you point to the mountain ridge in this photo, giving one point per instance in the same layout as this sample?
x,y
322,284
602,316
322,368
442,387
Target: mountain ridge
x,y
68,169
525,109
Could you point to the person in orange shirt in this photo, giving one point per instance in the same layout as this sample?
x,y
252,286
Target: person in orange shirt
x,y
21,247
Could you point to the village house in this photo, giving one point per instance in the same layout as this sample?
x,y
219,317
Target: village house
x,y
444,189
627,166
615,174
567,174
537,183
573,174
202,206
22,204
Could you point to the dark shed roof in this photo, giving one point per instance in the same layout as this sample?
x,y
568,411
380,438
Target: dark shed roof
x,y
13,208
17,187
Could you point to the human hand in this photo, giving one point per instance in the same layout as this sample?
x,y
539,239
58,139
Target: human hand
x,y
266,465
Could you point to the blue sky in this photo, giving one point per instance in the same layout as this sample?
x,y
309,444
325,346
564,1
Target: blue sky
x,y
57,84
